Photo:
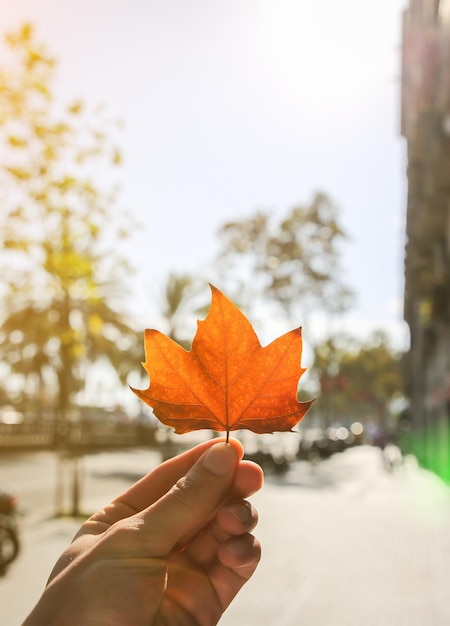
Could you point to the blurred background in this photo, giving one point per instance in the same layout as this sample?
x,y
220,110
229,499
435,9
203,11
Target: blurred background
x,y
297,156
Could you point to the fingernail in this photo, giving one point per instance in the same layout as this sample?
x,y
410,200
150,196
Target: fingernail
x,y
242,512
220,459
238,547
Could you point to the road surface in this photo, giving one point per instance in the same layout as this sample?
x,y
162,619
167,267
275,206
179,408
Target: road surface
x,y
344,543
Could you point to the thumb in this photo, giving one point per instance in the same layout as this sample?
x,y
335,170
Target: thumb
x,y
191,503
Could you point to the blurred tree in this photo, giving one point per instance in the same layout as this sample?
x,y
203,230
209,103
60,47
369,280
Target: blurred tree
x,y
186,298
177,298
357,379
62,274
293,263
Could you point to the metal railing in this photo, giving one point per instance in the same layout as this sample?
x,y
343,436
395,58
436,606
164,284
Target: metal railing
x,y
74,436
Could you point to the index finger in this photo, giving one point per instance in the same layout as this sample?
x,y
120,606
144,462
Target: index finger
x,y
148,490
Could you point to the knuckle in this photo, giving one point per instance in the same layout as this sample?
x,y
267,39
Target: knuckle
x,y
125,534
187,491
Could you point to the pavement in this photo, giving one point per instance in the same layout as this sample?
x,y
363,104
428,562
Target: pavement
x,y
345,543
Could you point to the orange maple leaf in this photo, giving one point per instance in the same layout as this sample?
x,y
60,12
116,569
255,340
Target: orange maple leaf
x,y
227,381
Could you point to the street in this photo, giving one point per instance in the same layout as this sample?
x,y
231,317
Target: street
x,y
345,543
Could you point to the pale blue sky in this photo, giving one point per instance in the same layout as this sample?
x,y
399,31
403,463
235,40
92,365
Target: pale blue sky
x,y
241,105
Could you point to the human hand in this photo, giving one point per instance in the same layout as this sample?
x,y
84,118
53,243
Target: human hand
x,y
175,548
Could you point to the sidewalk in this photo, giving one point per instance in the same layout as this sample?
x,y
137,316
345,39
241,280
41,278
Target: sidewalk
x,y
344,544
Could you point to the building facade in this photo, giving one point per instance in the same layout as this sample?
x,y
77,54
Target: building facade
x,y
425,124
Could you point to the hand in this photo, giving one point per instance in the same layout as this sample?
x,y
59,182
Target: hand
x,y
175,548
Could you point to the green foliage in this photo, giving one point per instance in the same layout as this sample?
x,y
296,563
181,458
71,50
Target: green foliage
x,y
355,378
182,304
293,262
63,277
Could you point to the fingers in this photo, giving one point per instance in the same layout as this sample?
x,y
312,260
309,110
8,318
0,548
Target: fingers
x,y
249,479
236,562
219,561
235,517
147,490
229,552
192,502
240,554
216,585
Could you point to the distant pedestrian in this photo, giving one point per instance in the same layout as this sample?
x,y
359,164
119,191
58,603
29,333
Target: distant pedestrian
x,y
392,457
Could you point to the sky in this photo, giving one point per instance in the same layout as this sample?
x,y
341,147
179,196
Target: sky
x,y
230,107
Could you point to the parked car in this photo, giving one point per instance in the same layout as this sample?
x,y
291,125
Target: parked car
x,y
270,462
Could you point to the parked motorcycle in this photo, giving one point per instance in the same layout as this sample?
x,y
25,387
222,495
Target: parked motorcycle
x,y
9,536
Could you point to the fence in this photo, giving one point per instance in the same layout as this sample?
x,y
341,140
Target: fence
x,y
76,436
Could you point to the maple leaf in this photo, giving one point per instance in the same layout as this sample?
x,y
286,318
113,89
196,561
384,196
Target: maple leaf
x,y
227,381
